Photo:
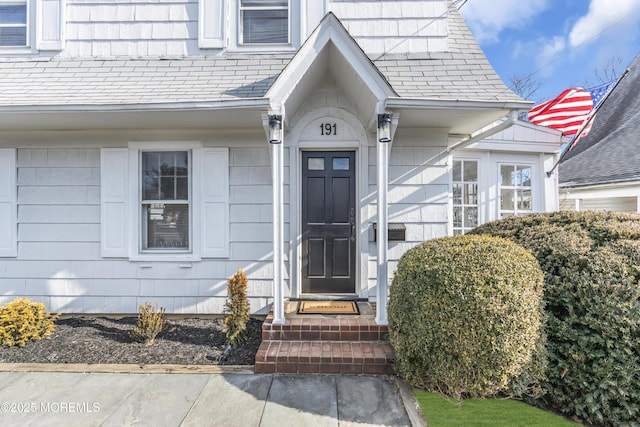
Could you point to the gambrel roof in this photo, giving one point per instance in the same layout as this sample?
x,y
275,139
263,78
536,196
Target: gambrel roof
x,y
461,74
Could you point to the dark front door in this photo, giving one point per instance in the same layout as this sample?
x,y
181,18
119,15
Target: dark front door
x,y
328,222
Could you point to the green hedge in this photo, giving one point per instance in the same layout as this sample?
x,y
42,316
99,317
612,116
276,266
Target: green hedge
x,y
465,316
591,262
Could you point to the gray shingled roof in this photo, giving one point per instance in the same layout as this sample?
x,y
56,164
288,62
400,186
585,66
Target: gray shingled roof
x,y
611,151
104,82
463,73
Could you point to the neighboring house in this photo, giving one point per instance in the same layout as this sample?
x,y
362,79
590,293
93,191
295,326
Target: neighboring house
x,y
149,150
602,171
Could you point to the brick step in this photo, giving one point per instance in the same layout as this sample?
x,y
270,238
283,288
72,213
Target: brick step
x,y
324,329
325,357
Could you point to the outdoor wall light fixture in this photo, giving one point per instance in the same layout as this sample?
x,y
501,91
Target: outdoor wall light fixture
x,y
384,127
275,129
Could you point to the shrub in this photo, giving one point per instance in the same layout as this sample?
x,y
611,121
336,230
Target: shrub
x,y
236,309
150,323
591,262
465,316
22,320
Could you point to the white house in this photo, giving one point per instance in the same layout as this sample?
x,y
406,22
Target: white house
x,y
150,149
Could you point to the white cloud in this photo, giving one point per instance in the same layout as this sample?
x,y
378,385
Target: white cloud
x,y
488,18
549,53
602,14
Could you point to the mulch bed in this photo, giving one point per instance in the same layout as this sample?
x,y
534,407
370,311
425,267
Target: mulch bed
x,y
184,341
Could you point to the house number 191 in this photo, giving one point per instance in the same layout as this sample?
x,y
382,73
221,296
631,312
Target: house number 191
x,y
327,129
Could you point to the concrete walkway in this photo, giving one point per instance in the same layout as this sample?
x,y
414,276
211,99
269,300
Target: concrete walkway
x,y
198,399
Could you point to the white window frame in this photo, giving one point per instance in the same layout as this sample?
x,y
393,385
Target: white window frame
x,y
241,10
45,27
531,187
143,238
463,229
233,32
121,219
136,222
27,23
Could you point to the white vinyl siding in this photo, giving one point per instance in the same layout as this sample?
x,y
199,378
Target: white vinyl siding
x,y
418,193
60,262
8,200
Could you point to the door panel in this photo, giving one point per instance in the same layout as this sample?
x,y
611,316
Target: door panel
x,y
328,222
316,257
341,203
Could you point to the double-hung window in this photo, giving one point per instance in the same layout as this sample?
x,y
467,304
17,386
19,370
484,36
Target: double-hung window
x,y
465,195
165,201
264,21
515,189
13,23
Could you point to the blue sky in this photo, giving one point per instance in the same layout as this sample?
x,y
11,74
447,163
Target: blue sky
x,y
560,42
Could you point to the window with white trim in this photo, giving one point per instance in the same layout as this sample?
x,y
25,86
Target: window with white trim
x,y
13,23
465,196
515,189
264,22
164,201
165,204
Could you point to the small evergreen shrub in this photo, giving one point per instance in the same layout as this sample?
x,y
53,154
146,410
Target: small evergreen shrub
x,y
150,323
236,309
465,317
22,320
591,262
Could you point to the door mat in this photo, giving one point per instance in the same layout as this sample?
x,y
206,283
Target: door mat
x,y
328,307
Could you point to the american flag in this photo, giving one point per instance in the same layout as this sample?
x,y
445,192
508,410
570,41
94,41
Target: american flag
x,y
570,109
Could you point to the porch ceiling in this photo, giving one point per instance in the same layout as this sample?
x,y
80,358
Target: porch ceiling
x,y
459,117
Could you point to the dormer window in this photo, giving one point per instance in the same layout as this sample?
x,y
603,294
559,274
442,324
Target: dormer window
x,y
13,23
264,21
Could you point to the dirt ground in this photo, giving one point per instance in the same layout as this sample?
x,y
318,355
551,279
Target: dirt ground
x,y
191,341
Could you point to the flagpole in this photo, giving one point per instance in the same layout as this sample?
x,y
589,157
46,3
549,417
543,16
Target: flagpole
x,y
586,123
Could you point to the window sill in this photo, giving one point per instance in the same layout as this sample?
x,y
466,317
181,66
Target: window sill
x,y
17,51
165,258
261,49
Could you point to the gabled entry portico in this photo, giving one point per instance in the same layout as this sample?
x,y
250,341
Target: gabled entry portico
x,y
329,231
330,83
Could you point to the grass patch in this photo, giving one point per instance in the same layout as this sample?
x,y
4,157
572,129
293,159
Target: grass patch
x,y
442,412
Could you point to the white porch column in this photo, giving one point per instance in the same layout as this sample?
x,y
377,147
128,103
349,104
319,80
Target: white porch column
x,y
277,152
383,226
277,181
